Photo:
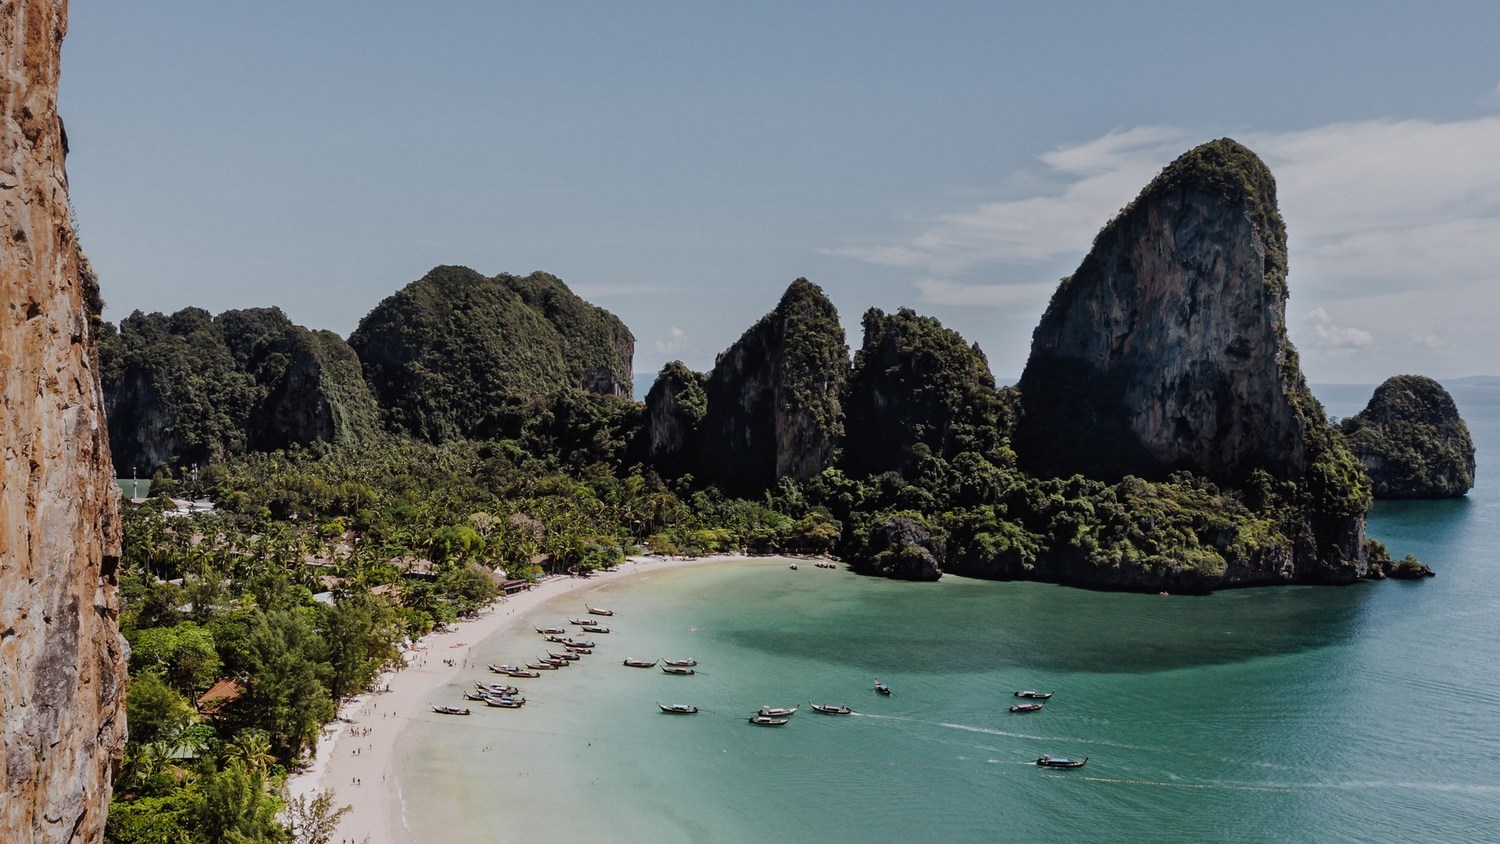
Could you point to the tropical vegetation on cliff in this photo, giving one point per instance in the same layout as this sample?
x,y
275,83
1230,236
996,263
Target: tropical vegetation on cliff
x,y
1411,440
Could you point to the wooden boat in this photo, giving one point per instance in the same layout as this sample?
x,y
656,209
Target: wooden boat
x,y
681,663
1034,694
581,621
565,656
582,646
451,710
475,696
778,711
561,640
541,666
598,610
505,702
1060,762
503,669
830,709
1026,707
594,628
522,672
767,721
577,652
551,631
678,708
639,663
882,688
496,688
677,669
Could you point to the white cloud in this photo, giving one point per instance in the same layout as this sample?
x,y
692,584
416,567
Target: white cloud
x,y
674,345
1336,340
942,291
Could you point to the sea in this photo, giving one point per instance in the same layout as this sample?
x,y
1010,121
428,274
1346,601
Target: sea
x,y
1363,713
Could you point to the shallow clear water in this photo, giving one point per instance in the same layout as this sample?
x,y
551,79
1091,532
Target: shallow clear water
x,y
1365,713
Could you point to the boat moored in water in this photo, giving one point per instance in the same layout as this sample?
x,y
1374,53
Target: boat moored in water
x,y
1033,694
1026,707
882,688
778,711
522,672
681,663
565,656
505,702
1047,761
598,610
639,663
677,669
450,710
594,628
767,721
678,708
548,631
830,709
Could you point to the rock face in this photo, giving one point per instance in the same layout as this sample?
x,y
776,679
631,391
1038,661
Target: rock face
x,y
772,400
598,350
62,667
190,388
453,354
914,383
1411,440
905,550
675,407
1167,350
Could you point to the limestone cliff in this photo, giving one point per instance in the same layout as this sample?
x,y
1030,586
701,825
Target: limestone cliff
x,y
915,383
1412,441
774,397
1167,350
598,350
675,406
189,388
62,664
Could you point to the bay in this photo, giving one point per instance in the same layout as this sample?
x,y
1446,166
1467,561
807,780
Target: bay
x,y
1362,713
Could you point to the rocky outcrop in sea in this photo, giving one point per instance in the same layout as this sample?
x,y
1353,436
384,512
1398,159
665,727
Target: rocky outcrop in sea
x,y
1412,441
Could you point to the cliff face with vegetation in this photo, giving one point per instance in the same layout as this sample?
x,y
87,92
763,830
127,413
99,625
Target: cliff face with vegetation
x,y
1167,351
1412,441
915,384
62,665
187,389
598,350
770,407
453,355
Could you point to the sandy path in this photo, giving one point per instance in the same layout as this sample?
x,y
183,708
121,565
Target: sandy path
x,y
356,753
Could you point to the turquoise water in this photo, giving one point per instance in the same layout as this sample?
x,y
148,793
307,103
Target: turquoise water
x,y
1366,713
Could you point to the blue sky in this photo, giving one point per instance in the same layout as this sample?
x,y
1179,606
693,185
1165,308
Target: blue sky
x,y
681,163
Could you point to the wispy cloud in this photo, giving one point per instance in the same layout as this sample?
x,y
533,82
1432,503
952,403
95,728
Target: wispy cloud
x,y
942,291
676,342
1336,340
1372,207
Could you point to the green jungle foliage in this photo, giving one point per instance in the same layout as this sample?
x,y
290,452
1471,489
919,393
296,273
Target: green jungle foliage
x,y
597,347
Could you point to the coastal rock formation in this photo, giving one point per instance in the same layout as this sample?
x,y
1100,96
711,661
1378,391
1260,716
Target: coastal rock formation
x,y
62,667
675,407
1167,351
903,549
1411,440
914,383
772,406
187,389
454,354
598,350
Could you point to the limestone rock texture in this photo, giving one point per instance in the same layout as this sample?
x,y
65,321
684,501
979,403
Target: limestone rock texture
x,y
675,406
1167,350
773,398
62,661
598,350
1412,441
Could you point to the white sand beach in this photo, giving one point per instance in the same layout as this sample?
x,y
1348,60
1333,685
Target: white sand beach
x,y
355,757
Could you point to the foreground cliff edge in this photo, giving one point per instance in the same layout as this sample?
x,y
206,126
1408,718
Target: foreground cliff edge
x,y
62,668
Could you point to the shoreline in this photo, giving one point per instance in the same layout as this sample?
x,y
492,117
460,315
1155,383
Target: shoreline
x,y
361,741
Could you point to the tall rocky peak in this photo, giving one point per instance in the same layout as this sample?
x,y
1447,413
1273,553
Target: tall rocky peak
x,y
62,664
1167,349
915,383
771,405
598,350
675,406
189,388
453,354
1412,441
